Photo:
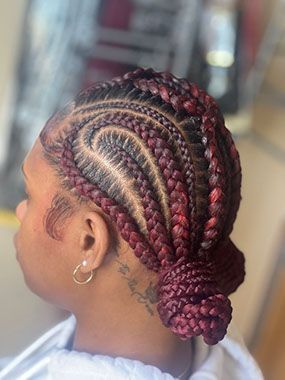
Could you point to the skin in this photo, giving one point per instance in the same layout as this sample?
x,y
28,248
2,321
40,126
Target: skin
x,y
118,305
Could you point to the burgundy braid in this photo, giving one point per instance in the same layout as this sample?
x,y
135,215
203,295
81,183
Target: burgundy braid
x,y
155,224
236,179
182,128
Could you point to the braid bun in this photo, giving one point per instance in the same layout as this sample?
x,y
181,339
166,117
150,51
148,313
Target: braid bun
x,y
191,303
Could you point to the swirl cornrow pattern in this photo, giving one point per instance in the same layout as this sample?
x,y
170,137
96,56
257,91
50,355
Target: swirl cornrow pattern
x,y
177,139
174,181
125,223
152,151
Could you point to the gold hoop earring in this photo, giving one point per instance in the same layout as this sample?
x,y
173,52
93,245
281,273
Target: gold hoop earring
x,y
84,281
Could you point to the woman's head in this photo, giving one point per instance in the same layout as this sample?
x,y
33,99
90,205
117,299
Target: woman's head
x,y
151,154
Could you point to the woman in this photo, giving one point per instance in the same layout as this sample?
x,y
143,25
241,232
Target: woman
x,y
132,192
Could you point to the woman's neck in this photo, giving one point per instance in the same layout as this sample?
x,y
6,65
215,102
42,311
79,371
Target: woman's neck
x,y
117,316
139,338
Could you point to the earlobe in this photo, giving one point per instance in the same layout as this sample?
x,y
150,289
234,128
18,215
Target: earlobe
x,y
87,263
94,242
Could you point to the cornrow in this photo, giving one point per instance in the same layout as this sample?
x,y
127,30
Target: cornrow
x,y
152,151
176,137
170,95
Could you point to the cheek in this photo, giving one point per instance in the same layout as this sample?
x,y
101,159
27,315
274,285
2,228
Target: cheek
x,y
31,216
30,240
35,257
21,210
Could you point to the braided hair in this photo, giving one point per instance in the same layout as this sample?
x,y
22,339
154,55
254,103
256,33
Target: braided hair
x,y
152,151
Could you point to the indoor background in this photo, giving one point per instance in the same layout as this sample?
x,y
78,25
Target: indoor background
x,y
235,50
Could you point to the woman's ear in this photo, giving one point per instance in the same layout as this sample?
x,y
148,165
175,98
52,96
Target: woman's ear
x,y
94,241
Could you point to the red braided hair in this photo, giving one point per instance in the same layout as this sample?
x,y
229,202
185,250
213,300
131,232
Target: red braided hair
x,y
153,152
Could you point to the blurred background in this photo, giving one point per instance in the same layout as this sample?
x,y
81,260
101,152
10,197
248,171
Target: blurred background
x,y
234,49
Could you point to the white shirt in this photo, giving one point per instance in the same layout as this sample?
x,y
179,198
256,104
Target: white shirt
x,y
49,358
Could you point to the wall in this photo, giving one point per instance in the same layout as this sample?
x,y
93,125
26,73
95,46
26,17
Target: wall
x,y
23,315
11,18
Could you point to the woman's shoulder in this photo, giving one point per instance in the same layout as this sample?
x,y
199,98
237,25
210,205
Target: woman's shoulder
x,y
37,355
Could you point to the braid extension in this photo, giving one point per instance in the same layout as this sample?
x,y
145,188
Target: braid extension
x,y
152,151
